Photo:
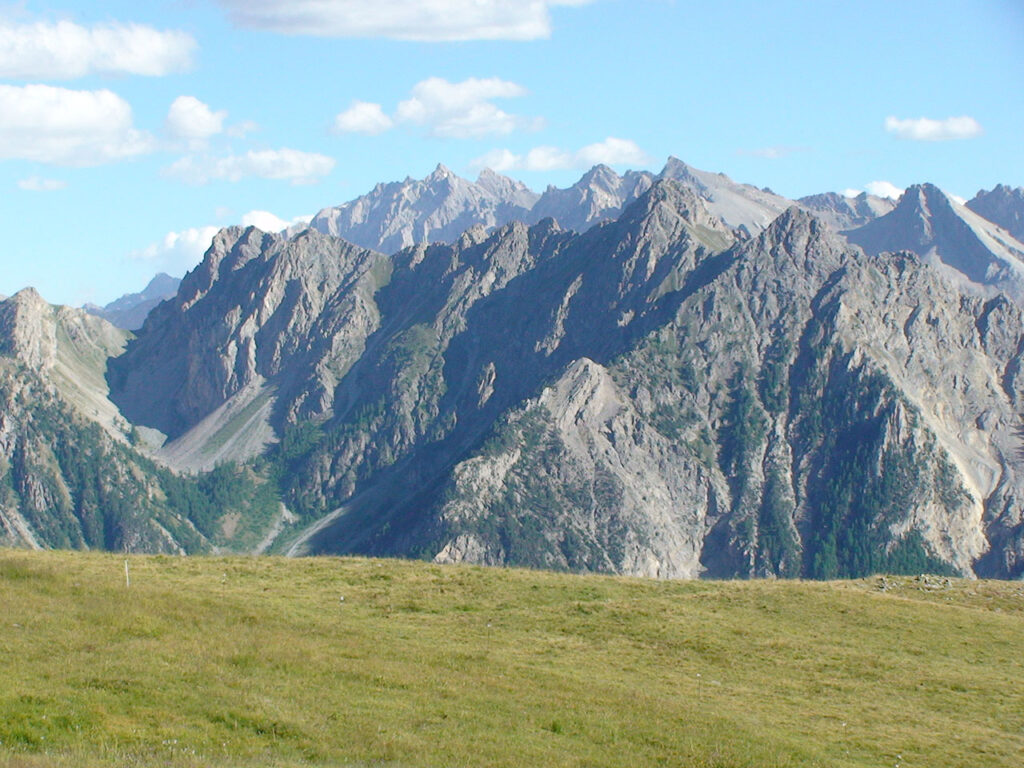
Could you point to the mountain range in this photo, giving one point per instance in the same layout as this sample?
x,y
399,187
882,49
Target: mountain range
x,y
672,375
129,311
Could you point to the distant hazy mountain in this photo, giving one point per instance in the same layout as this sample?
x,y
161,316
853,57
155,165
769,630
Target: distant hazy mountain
x,y
1003,206
438,208
842,213
442,206
130,311
599,195
950,236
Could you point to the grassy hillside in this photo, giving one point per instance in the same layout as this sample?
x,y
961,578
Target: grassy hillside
x,y
260,662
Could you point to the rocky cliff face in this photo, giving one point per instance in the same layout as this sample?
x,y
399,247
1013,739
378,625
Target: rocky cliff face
x,y
258,335
727,441
780,406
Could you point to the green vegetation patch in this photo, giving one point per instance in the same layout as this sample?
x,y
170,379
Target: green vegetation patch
x,y
352,662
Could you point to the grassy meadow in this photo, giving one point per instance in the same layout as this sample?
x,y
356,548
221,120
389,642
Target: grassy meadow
x,y
355,662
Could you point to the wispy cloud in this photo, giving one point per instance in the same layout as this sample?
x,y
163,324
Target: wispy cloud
x,y
37,184
772,153
67,127
926,129
65,50
421,20
463,110
289,165
611,151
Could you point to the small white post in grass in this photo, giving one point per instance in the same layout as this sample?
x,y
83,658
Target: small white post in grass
x,y
127,580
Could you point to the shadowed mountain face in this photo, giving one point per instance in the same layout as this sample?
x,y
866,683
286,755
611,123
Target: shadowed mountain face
x,y
770,408
706,381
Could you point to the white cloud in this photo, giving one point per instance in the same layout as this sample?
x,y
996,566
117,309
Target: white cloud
x,y
611,151
65,50
423,20
37,184
56,125
926,129
268,222
850,192
363,117
462,110
548,159
177,252
192,120
884,189
499,160
279,164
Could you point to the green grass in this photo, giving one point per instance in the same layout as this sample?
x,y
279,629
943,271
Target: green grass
x,y
258,662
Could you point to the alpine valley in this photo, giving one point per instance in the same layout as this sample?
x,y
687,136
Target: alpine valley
x,y
670,375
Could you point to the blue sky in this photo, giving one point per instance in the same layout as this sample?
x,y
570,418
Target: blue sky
x,y
130,131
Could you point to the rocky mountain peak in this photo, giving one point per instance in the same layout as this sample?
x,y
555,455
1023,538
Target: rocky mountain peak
x,y
506,189
232,248
437,208
27,330
842,213
129,311
738,205
600,195
951,237
440,172
680,171
600,176
801,241
669,196
1004,206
